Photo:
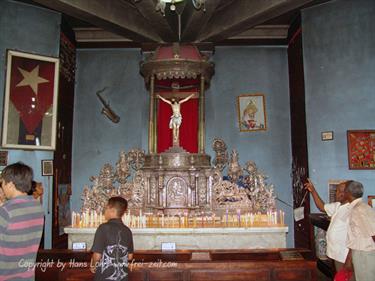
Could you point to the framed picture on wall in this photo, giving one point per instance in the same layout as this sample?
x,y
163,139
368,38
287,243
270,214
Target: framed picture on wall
x,y
47,167
361,149
251,110
30,102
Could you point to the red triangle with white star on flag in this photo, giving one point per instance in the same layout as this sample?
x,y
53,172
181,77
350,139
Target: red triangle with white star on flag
x,y
31,89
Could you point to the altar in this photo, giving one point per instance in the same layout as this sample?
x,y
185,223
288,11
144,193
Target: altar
x,y
194,238
176,194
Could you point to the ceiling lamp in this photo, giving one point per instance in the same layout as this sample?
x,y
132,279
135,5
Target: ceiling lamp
x,y
161,4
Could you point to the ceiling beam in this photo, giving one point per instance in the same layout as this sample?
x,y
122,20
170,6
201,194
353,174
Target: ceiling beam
x,y
264,32
194,21
243,15
147,9
115,16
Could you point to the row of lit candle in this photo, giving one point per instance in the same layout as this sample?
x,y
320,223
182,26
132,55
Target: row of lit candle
x,y
271,218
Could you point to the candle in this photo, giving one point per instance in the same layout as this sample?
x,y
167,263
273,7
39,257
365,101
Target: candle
x,y
78,220
226,217
239,217
73,219
91,218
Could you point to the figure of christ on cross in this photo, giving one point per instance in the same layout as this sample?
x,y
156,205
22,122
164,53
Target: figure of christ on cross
x,y
176,118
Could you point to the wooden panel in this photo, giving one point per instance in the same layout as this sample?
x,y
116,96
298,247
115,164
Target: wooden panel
x,y
230,275
266,256
137,275
225,269
303,234
166,275
291,275
62,158
75,275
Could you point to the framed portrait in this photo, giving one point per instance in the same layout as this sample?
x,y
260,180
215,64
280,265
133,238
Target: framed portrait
x,y
30,102
251,110
47,167
361,149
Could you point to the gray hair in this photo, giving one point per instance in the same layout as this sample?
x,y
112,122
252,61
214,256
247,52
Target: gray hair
x,y
355,188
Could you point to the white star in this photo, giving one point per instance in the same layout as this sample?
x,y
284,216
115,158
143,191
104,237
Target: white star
x,y
31,79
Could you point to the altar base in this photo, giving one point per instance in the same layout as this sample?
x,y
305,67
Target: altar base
x,y
194,238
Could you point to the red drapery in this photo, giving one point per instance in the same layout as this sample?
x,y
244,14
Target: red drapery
x,y
188,129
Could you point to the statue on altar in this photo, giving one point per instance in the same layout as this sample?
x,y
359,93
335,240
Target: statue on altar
x,y
176,118
234,168
122,168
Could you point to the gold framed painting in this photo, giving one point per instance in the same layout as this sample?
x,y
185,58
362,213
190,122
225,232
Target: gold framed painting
x,y
30,103
361,149
251,110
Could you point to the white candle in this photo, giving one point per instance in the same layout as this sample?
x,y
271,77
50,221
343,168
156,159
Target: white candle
x,y
73,218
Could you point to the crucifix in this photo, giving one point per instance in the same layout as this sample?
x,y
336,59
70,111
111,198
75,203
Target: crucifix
x,y
176,117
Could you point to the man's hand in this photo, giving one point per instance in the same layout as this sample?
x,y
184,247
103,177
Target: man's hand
x,y
309,186
318,201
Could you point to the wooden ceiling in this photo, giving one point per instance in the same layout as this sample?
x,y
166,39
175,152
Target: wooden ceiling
x,y
137,21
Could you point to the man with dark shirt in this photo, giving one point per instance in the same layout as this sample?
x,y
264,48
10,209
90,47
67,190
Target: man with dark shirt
x,y
113,244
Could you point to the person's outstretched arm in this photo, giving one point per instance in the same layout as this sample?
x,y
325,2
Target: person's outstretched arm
x,y
186,99
318,201
163,99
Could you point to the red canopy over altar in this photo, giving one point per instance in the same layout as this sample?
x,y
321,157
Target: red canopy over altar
x,y
178,71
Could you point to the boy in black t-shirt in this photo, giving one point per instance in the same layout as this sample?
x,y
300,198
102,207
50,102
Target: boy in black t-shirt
x,y
113,244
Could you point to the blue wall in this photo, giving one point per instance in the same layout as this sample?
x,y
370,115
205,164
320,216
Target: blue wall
x,y
238,71
33,30
339,61
250,70
96,140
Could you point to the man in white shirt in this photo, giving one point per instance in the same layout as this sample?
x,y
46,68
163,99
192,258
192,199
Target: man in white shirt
x,y
338,227
361,234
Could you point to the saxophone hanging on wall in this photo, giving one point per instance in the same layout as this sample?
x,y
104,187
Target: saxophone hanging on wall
x,y
107,110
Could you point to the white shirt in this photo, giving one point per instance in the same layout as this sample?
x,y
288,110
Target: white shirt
x,y
337,230
361,226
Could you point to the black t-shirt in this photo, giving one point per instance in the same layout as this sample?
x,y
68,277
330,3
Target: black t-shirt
x,y
114,241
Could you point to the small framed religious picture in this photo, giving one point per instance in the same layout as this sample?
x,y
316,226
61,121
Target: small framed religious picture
x,y
327,136
3,158
361,149
30,102
251,109
47,167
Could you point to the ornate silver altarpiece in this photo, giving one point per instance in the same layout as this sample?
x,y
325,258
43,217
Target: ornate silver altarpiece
x,y
198,194
177,182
